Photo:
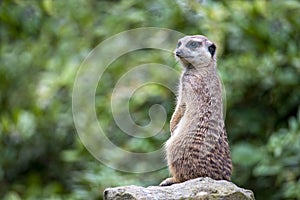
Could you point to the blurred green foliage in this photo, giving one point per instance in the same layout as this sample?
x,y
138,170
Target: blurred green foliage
x,y
43,43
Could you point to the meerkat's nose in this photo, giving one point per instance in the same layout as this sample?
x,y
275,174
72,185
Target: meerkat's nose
x,y
179,53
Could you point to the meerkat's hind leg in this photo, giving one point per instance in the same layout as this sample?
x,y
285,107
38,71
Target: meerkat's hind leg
x,y
168,182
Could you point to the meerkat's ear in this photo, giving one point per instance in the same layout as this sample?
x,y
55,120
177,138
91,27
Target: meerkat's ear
x,y
212,49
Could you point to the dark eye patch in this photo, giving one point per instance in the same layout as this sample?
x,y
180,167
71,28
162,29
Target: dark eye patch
x,y
179,44
193,44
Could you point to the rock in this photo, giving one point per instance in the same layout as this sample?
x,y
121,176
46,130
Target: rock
x,y
200,188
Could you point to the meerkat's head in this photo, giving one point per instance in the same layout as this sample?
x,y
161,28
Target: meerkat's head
x,y
195,51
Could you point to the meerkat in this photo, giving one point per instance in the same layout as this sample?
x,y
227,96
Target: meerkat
x,y
198,146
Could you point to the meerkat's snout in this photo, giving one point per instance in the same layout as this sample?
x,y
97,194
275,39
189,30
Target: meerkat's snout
x,y
179,53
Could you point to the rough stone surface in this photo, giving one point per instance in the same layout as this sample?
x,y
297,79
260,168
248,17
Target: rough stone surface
x,y
200,188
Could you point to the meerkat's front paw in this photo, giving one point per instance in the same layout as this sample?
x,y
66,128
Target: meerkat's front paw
x,y
167,182
172,129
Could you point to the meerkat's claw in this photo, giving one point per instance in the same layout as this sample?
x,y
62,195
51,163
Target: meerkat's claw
x,y
167,182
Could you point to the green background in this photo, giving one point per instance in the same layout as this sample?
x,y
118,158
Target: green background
x,y
43,43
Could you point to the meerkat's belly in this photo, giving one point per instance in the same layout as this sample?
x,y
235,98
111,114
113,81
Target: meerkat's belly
x,y
175,133
180,138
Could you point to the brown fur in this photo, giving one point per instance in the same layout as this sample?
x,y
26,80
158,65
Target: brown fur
x,y
198,146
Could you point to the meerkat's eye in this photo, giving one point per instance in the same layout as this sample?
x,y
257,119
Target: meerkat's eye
x,y
179,44
193,44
